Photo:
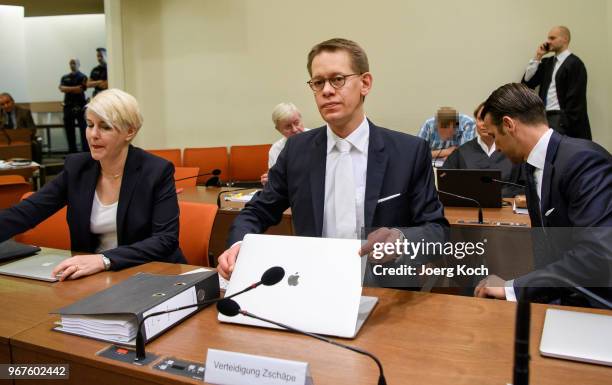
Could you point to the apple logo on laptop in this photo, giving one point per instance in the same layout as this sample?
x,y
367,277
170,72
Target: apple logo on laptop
x,y
293,279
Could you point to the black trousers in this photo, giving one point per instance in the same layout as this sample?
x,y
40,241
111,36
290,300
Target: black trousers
x,y
558,121
72,115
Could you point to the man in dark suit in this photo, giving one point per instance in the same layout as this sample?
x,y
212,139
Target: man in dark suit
x,y
349,174
13,116
569,195
562,79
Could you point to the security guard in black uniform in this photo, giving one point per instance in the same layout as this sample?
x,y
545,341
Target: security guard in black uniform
x,y
99,78
73,85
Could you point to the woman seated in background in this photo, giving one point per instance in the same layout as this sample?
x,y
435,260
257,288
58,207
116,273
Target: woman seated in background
x,y
122,205
480,153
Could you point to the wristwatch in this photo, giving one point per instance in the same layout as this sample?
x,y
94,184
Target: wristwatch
x,y
107,262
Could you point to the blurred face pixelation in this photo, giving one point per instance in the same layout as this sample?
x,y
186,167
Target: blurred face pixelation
x,y
105,142
291,125
504,142
337,106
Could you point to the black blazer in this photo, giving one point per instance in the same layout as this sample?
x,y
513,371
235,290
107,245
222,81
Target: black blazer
x,y
575,240
147,213
471,156
398,163
571,83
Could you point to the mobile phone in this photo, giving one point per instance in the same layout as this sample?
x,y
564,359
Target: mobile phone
x,y
546,46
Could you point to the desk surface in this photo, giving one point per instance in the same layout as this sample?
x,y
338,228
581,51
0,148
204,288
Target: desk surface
x,y
453,214
420,338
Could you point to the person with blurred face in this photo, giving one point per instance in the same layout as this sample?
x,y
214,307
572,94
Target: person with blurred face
x,y
122,205
446,131
480,153
562,82
73,85
569,186
347,175
287,121
98,80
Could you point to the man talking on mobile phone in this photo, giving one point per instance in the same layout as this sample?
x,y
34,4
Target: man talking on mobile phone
x,y
562,81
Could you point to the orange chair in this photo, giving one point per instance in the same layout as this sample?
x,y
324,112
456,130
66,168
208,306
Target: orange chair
x,y
12,188
52,232
186,172
207,159
172,155
247,163
196,222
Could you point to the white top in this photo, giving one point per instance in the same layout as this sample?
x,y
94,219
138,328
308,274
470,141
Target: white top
x,y
552,102
103,222
276,149
487,150
359,140
536,158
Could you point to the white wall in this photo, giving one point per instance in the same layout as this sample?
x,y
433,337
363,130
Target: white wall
x,y
209,72
51,41
12,48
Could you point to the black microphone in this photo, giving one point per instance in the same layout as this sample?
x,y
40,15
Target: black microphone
x,y
214,181
488,179
523,323
229,191
230,308
270,277
480,219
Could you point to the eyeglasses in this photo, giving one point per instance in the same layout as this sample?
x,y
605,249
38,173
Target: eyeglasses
x,y
336,81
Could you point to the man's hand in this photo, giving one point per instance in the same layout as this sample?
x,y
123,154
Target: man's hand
x,y
492,286
540,51
227,261
79,266
382,235
264,178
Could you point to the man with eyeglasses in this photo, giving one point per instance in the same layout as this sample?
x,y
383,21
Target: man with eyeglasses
x,y
347,175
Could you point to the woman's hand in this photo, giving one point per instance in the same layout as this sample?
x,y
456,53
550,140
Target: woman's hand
x,y
79,266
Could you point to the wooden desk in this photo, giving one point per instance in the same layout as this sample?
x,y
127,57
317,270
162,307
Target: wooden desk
x,y
420,338
226,215
28,302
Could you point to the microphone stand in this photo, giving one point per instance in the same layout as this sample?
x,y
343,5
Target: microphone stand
x,y
480,215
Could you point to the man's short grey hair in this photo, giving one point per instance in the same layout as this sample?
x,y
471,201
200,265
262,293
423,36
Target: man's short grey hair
x,y
283,111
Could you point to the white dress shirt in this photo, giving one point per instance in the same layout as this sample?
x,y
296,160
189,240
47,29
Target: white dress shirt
x,y
276,149
103,222
487,150
536,158
359,140
552,102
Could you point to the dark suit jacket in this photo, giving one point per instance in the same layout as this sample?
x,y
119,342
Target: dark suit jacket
x,y
397,163
471,156
575,240
571,83
147,213
22,119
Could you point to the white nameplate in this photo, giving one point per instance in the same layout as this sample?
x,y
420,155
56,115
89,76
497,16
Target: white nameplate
x,y
230,368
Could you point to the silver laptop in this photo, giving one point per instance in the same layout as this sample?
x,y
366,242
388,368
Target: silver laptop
x,y
577,336
321,290
37,266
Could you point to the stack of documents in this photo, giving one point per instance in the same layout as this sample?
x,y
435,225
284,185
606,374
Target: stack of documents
x,y
239,197
114,314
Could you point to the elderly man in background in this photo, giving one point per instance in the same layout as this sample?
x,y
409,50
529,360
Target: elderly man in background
x,y
288,121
